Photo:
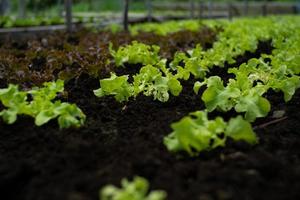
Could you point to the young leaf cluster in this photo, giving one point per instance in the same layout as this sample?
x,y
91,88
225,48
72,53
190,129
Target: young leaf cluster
x,y
276,77
150,81
166,27
239,94
196,133
135,53
9,22
287,43
138,189
155,78
235,40
43,106
191,63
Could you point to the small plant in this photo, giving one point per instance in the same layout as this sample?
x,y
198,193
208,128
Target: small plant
x,y
239,94
138,189
196,133
116,86
150,81
41,107
193,63
166,27
136,53
277,76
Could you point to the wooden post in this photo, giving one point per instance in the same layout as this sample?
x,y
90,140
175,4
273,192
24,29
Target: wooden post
x,y
4,7
125,15
60,8
210,7
68,17
192,11
21,8
264,8
297,8
294,9
149,9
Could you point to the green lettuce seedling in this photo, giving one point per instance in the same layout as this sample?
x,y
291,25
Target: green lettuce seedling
x,y
150,81
277,76
166,27
239,94
196,133
193,64
135,190
42,107
136,53
116,86
15,102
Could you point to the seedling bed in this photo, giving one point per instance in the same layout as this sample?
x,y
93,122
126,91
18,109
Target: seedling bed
x,y
126,139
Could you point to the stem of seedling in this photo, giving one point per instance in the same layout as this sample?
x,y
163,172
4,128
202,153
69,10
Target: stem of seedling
x,y
269,123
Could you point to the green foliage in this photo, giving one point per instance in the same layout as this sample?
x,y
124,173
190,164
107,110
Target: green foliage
x,y
138,189
278,71
117,86
239,94
15,101
235,40
196,133
216,95
136,53
166,27
150,81
191,64
287,43
239,129
245,92
41,107
9,22
277,77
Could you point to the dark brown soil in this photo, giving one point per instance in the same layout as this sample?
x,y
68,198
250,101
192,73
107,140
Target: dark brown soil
x,y
33,61
123,140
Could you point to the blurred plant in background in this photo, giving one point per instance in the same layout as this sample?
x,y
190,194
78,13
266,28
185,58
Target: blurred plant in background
x,y
54,6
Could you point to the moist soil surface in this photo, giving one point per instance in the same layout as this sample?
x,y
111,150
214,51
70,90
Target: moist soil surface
x,y
124,140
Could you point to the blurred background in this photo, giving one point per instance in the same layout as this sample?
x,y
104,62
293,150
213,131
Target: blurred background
x,y
49,12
